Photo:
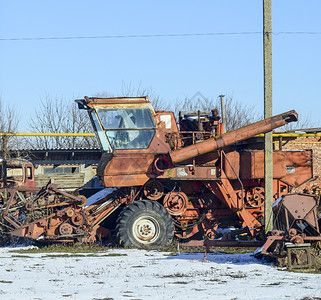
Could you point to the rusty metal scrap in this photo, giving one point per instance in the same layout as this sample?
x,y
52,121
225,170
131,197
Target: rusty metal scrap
x,y
55,215
296,237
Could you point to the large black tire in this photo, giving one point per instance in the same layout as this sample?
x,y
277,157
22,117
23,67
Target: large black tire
x,y
144,223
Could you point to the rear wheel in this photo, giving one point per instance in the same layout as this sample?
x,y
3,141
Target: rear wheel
x,y
144,223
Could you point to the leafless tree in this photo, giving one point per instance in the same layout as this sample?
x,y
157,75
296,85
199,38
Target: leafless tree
x,y
129,90
60,116
9,122
237,113
304,122
194,103
103,94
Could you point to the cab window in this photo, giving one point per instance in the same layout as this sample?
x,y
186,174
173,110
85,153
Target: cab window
x,y
128,128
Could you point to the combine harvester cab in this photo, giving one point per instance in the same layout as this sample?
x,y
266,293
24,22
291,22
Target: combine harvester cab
x,y
17,173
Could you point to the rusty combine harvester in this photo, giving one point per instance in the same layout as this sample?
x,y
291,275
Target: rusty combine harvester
x,y
185,180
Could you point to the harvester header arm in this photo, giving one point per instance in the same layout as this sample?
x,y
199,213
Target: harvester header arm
x,y
233,137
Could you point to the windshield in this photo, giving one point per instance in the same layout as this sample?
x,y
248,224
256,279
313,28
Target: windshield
x,y
132,118
128,128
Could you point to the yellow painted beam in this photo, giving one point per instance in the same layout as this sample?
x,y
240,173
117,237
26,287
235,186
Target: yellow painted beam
x,y
292,142
293,135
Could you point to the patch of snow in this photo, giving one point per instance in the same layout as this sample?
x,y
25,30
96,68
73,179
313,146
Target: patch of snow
x,y
141,274
276,202
99,195
257,251
224,230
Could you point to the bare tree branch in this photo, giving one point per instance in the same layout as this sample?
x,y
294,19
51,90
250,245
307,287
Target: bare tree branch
x,y
9,122
128,90
304,122
60,116
237,114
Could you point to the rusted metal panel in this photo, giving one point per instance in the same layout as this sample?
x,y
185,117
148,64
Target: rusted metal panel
x,y
301,207
167,121
190,173
297,212
127,170
232,164
293,167
209,159
299,167
298,158
129,164
125,180
252,164
116,101
298,175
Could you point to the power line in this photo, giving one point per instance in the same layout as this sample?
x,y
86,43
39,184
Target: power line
x,y
157,35
127,36
297,32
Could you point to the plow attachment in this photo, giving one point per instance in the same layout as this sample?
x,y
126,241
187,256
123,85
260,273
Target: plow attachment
x,y
295,241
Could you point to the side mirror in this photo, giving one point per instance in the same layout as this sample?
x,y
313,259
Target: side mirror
x,y
81,104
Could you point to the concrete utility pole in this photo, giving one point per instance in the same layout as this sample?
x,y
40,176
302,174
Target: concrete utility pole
x,y
268,139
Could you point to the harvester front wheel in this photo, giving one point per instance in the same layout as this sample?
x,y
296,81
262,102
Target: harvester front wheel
x,y
144,223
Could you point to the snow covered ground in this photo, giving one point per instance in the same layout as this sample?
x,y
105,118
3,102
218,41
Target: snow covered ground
x,y
141,274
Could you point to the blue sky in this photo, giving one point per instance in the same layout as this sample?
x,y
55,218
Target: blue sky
x,y
174,67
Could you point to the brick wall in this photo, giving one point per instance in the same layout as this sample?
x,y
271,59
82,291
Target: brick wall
x,y
307,143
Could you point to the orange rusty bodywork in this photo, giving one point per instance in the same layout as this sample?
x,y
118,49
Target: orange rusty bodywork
x,y
132,167
166,121
20,174
250,164
117,101
293,167
298,167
